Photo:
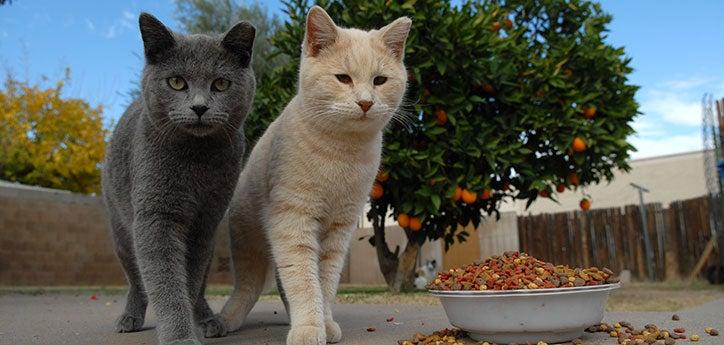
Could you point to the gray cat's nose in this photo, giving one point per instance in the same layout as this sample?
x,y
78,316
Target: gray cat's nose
x,y
199,109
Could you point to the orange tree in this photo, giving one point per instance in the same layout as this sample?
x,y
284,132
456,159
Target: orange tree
x,y
49,140
508,99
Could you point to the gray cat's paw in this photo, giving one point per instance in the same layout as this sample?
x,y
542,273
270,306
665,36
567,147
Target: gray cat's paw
x,y
184,342
214,327
129,323
334,332
306,335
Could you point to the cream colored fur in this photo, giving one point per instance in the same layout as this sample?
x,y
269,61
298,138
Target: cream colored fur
x,y
308,177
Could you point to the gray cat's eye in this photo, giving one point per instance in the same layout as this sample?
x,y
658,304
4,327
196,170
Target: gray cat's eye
x,y
379,80
177,83
344,78
220,84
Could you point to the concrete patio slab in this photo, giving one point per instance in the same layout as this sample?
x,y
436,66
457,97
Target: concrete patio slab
x,y
77,320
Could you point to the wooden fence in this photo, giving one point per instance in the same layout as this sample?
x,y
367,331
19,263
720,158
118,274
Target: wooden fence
x,y
615,238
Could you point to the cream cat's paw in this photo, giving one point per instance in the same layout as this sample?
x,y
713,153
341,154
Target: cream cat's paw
x,y
334,332
306,335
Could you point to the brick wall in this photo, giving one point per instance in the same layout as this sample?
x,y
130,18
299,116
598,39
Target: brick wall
x,y
50,237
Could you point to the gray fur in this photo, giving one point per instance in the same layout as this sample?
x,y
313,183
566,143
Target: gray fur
x,y
170,173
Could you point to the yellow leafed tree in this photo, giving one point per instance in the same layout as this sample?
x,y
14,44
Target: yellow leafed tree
x,y
47,140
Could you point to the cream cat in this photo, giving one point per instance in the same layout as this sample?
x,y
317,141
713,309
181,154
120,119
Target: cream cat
x,y
307,179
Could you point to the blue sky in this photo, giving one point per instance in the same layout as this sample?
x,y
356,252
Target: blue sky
x,y
677,53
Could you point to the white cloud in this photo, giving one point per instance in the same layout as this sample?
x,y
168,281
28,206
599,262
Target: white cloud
x,y
686,84
677,108
651,147
89,24
126,21
671,116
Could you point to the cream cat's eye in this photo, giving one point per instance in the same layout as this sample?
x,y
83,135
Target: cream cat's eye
x,y
220,84
379,80
177,83
344,78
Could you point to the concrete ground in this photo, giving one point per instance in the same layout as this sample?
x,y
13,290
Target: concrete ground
x,y
78,320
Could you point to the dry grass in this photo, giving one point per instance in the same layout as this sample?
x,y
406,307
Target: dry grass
x,y
670,296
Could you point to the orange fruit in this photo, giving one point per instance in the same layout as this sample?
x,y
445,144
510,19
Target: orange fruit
x,y
377,191
469,197
508,23
415,224
458,194
488,88
540,93
589,112
585,204
426,92
506,186
544,194
495,27
561,188
573,179
485,195
578,145
403,220
441,117
383,176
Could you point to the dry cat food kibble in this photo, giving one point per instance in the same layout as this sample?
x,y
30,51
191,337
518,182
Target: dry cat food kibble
x,y
650,334
445,336
514,270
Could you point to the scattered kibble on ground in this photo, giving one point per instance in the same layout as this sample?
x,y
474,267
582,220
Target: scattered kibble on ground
x,y
649,334
514,270
675,317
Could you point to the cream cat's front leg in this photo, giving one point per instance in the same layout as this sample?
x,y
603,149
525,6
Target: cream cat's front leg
x,y
334,246
296,253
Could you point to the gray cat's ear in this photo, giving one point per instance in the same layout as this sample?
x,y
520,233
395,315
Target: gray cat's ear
x,y
157,39
395,34
239,41
321,31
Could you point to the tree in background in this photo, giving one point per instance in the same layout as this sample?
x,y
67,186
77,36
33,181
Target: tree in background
x,y
513,99
203,16
50,140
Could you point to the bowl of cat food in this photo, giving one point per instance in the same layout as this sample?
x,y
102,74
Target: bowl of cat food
x,y
516,298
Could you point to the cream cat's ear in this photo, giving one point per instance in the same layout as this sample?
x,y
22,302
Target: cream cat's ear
x,y
395,34
321,31
157,39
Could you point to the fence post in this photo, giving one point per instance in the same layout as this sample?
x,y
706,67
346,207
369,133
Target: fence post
x,y
644,225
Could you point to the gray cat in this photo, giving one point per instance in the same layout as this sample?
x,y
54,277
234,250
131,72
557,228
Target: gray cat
x,y
171,167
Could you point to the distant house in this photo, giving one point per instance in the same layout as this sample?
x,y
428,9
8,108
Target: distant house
x,y
668,178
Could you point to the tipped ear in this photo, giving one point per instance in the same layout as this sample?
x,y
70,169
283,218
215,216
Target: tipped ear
x,y
395,34
239,41
321,31
157,39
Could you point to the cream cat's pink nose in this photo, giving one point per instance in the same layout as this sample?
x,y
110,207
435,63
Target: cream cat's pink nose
x,y
365,105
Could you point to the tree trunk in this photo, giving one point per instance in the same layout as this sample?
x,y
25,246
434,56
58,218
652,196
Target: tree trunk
x,y
405,276
399,271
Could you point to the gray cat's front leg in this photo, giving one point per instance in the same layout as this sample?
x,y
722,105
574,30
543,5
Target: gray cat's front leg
x,y
161,255
135,311
200,254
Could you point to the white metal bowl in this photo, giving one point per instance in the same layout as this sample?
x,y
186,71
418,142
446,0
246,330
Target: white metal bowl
x,y
520,316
